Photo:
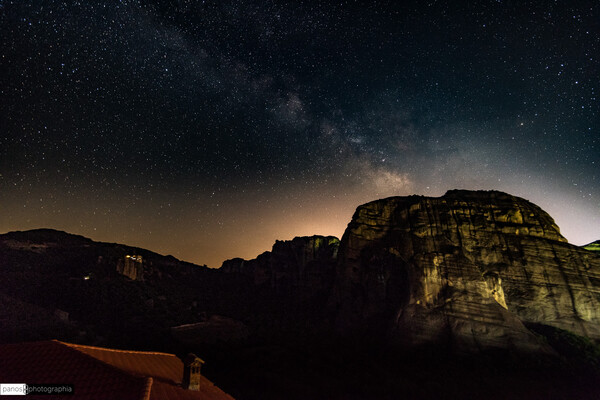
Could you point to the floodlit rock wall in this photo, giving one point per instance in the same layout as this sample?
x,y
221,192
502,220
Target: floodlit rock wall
x,y
465,269
132,267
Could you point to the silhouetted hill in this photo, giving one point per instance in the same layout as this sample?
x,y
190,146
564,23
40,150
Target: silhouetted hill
x,y
45,270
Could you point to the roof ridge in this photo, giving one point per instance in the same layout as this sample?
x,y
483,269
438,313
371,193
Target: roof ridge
x,y
147,388
75,346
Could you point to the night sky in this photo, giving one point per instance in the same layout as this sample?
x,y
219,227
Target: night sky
x,y
209,129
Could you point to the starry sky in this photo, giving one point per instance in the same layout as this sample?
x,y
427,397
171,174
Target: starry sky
x,y
209,129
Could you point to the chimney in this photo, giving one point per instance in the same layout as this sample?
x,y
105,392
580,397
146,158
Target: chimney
x,y
191,372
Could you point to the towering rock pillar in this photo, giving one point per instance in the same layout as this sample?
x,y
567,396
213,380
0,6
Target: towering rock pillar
x,y
466,269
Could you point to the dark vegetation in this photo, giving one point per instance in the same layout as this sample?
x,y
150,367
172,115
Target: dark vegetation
x,y
594,246
578,351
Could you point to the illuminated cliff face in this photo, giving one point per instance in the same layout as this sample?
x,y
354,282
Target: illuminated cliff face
x,y
468,268
132,266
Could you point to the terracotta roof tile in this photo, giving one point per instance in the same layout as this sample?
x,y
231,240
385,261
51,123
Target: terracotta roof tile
x,y
160,366
208,391
52,362
101,373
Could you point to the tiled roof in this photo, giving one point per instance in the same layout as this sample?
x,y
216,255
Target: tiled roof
x,y
101,373
160,366
208,391
53,362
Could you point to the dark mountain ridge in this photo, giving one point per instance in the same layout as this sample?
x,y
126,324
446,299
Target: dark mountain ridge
x,y
303,266
85,283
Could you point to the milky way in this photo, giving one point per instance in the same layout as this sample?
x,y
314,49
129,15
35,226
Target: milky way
x,y
207,129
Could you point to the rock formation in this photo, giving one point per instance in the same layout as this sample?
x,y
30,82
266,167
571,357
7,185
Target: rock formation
x,y
303,265
467,270
132,266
